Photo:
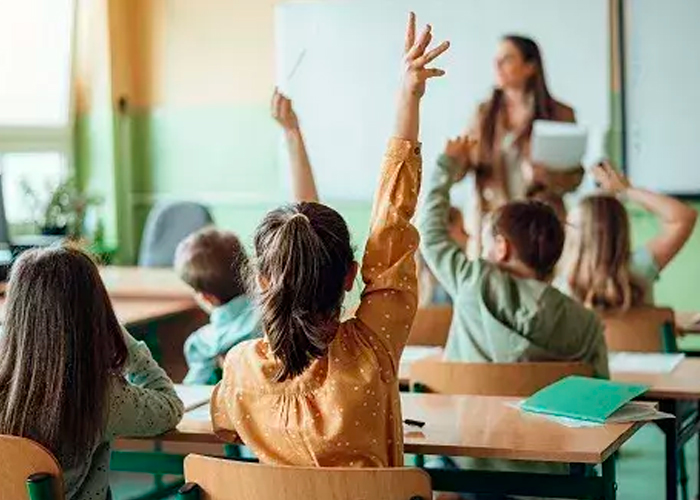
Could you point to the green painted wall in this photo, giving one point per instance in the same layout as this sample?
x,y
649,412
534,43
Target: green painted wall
x,y
225,157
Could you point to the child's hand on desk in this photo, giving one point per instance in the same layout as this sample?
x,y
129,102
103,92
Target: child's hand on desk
x,y
458,149
416,58
283,112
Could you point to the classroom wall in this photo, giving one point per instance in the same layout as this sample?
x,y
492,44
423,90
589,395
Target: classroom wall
x,y
198,77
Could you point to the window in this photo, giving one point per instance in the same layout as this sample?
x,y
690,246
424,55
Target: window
x,y
36,118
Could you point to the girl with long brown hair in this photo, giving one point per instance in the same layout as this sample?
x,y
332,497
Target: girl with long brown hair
x,y
502,127
71,378
600,267
319,391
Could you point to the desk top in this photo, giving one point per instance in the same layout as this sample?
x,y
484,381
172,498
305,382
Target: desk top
x,y
143,282
681,383
135,312
688,322
474,426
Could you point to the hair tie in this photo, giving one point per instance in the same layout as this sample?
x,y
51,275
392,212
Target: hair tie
x,y
298,215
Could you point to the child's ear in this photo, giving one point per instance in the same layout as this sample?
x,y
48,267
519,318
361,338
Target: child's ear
x,y
350,277
502,250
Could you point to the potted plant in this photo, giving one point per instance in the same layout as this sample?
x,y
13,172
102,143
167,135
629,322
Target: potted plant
x,y
62,212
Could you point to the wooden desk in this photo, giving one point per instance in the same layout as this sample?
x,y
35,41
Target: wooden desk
x,y
688,322
678,393
479,427
133,312
139,312
139,282
144,282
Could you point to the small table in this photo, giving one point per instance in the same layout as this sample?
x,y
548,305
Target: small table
x,y
471,426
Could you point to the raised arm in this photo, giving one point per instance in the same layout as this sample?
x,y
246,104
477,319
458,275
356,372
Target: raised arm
x,y
145,404
303,183
390,296
677,219
444,256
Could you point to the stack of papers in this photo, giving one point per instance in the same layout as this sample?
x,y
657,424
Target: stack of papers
x,y
590,400
643,362
558,145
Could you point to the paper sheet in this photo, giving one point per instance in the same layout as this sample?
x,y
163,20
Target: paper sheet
x,y
557,145
643,362
631,412
194,396
418,352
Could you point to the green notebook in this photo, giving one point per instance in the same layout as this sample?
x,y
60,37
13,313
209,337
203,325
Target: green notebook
x,y
582,398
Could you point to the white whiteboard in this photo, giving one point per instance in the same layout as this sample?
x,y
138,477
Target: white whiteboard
x,y
662,87
345,87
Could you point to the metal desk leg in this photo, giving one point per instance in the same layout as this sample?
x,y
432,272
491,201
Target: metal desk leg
x,y
670,429
609,481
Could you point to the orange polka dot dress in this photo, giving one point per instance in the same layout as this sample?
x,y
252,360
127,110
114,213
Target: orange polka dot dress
x,y
344,410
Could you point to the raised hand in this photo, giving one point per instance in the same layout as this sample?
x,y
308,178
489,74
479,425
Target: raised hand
x,y
283,112
416,58
458,149
610,179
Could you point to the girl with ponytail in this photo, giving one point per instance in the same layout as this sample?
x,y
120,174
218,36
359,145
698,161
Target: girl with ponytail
x,y
318,391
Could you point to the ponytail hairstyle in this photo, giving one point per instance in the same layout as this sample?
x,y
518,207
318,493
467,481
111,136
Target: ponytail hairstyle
x,y
536,86
303,256
534,231
599,255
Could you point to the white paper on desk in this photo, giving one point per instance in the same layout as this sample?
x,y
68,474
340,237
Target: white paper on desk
x,y
418,352
644,362
194,396
557,145
200,414
631,412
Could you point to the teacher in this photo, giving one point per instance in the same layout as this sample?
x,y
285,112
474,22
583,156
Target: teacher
x,y
501,129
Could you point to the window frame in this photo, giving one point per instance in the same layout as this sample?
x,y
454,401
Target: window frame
x,y
49,138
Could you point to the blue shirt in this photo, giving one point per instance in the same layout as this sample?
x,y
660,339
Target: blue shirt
x,y
229,324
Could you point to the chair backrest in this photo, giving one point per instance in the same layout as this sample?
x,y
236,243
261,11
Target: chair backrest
x,y
491,379
167,225
431,326
22,459
217,478
641,329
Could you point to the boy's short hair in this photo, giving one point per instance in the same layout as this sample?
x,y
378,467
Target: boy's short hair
x,y
534,231
213,262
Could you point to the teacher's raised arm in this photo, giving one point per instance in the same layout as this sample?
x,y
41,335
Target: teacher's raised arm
x,y
502,128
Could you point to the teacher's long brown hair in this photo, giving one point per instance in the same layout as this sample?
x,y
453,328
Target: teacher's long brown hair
x,y
536,86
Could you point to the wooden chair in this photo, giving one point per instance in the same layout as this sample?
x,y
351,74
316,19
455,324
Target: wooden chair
x,y
491,379
646,329
216,479
28,471
431,326
641,329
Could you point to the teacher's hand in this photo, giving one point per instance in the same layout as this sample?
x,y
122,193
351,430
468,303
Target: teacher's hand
x,y
609,179
535,173
458,150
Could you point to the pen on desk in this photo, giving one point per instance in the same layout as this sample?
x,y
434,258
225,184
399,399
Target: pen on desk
x,y
414,423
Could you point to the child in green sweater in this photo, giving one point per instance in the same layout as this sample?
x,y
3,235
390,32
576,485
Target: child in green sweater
x,y
504,307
